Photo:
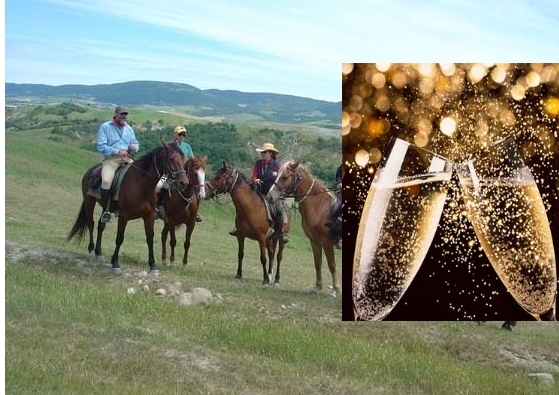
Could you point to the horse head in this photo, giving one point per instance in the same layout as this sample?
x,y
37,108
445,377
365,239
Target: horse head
x,y
223,181
286,181
196,170
170,160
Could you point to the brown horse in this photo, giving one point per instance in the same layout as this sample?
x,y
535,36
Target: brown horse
x,y
315,202
251,219
136,199
182,207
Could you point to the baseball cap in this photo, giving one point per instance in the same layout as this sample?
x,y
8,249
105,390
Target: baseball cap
x,y
121,110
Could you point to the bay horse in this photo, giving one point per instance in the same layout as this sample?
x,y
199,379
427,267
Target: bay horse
x,y
315,202
136,199
251,220
182,207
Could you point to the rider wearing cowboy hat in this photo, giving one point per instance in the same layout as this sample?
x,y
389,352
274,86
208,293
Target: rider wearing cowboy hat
x,y
264,173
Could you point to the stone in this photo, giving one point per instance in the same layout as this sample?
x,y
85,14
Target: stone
x,y
544,378
201,296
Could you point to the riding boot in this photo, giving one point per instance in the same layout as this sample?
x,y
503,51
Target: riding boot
x,y
233,232
284,236
162,196
105,200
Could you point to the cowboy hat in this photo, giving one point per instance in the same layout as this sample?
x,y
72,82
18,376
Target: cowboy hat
x,y
267,147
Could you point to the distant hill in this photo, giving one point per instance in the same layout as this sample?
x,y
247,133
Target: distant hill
x,y
210,102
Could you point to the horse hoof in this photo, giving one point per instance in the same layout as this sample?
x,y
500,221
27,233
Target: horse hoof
x,y
276,284
265,286
154,272
99,257
117,271
313,292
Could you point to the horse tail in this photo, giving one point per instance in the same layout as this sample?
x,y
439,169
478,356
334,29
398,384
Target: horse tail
x,y
79,226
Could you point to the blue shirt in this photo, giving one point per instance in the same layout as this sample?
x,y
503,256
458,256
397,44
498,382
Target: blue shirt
x,y
111,139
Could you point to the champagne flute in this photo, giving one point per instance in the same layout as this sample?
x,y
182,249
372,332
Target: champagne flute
x,y
398,223
507,212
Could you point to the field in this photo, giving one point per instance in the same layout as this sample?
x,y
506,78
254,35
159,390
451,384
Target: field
x,y
72,327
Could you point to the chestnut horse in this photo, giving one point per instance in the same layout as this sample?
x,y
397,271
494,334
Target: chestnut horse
x,y
136,199
182,207
315,202
251,220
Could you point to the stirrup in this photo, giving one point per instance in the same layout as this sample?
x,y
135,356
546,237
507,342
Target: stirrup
x,y
269,232
105,217
160,211
233,232
285,238
198,218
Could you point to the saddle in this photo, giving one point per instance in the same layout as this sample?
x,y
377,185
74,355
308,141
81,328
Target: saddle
x,y
94,181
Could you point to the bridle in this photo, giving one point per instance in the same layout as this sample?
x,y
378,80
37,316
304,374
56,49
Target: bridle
x,y
171,174
291,190
222,186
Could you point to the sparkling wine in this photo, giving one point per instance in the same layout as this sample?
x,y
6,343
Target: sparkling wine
x,y
397,227
510,221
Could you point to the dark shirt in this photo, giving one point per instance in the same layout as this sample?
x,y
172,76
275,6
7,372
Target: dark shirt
x,y
339,175
263,171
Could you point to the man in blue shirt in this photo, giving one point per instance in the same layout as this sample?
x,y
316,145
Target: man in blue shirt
x,y
115,141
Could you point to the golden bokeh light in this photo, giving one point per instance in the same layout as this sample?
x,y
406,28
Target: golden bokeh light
x,y
551,106
382,67
347,68
448,126
477,72
362,158
375,156
375,127
498,74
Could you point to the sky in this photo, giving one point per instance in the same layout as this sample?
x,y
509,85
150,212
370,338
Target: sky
x,y
288,47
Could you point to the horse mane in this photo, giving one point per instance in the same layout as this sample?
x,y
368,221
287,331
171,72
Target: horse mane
x,y
305,169
145,161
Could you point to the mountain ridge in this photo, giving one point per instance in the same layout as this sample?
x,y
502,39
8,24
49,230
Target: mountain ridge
x,y
199,102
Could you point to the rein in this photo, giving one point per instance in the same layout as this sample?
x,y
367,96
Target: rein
x,y
291,191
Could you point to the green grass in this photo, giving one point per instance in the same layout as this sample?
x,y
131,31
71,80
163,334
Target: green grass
x,y
72,328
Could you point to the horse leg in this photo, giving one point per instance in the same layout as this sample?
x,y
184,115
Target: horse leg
x,y
279,257
271,245
265,277
240,255
98,250
317,256
118,242
148,227
187,237
330,258
173,243
89,209
164,233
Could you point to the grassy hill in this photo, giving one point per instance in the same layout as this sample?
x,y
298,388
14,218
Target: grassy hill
x,y
74,328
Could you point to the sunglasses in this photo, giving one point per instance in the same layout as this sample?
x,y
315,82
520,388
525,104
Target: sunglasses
x,y
265,152
182,134
123,113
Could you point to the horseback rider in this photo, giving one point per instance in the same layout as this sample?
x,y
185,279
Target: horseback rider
x,y
162,188
115,141
335,223
264,173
